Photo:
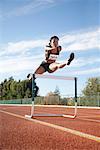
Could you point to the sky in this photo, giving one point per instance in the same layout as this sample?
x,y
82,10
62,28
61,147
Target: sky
x,y
26,27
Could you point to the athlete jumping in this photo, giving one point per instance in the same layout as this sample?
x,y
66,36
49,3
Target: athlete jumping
x,y
50,65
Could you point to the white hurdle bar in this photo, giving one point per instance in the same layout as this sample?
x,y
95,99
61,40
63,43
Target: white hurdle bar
x,y
54,115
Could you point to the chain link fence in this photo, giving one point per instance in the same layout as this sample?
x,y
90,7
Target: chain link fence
x,y
92,100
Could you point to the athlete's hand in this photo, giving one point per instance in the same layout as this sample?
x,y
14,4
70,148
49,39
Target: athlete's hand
x,y
59,48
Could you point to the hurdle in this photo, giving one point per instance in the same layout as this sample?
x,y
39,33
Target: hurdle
x,y
33,115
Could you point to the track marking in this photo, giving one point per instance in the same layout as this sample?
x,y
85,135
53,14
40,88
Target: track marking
x,y
97,116
74,132
91,120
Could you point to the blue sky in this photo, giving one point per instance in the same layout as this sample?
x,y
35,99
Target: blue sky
x,y
27,25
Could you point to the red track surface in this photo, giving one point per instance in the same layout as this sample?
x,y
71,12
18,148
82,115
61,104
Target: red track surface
x,y
20,134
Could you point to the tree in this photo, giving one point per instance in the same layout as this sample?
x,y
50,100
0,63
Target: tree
x,y
57,92
92,87
1,91
91,93
27,93
51,98
11,89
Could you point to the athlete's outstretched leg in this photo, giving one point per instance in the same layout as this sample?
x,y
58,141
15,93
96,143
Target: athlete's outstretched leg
x,y
54,66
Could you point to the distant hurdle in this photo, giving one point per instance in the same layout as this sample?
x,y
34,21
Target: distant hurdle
x,y
32,115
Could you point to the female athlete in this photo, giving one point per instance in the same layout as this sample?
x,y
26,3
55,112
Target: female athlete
x,y
50,65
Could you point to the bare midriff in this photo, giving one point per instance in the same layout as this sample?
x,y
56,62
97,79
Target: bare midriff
x,y
50,61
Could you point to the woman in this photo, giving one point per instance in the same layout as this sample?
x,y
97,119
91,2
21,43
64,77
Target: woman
x,y
51,53
49,64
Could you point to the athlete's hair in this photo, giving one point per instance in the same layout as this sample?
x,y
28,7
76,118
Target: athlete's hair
x,y
53,37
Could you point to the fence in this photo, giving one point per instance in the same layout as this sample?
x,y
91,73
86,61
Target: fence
x,y
93,100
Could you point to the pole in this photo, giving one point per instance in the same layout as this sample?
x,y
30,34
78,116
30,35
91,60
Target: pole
x,y
75,96
33,85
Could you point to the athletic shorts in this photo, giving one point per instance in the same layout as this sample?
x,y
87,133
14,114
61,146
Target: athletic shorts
x,y
46,65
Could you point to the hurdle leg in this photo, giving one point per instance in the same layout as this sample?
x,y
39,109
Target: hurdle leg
x,y
33,95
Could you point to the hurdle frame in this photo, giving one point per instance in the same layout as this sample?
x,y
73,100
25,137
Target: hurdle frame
x,y
33,115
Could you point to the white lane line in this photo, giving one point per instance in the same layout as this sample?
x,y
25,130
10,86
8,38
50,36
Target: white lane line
x,y
74,132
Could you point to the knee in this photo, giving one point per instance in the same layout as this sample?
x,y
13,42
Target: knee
x,y
51,70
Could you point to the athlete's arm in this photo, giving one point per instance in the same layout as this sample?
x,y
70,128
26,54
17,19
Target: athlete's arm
x,y
49,48
59,48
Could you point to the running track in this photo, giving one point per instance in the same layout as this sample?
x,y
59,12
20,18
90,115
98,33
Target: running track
x,y
49,133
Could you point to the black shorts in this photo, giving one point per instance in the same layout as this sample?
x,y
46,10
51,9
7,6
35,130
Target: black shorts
x,y
46,65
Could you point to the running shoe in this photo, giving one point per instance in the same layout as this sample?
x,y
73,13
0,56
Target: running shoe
x,y
30,76
70,59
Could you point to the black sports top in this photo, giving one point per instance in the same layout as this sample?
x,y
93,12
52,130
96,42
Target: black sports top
x,y
49,55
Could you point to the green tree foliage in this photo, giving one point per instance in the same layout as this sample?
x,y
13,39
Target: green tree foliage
x,y
91,93
92,87
11,89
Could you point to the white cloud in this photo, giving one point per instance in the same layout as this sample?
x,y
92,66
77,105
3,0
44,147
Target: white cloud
x,y
80,41
83,40
18,64
88,71
16,56
82,61
21,46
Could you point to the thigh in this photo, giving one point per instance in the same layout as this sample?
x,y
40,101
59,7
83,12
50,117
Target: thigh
x,y
40,70
53,65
